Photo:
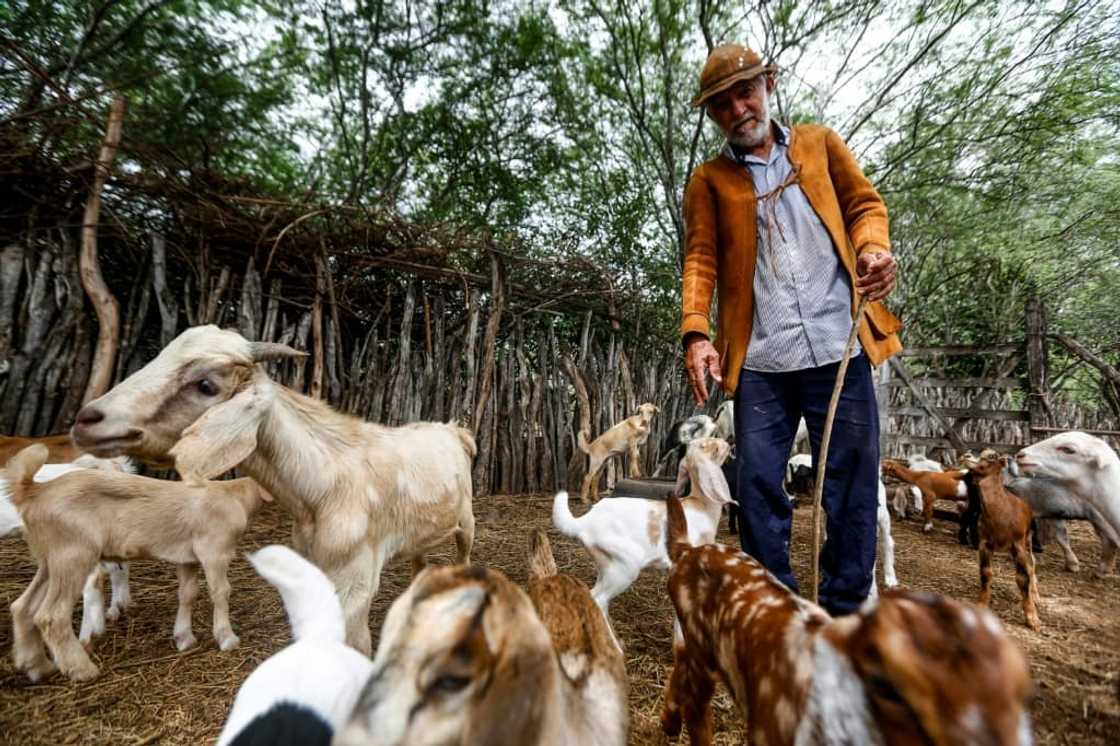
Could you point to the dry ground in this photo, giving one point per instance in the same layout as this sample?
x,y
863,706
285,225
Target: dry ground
x,y
148,693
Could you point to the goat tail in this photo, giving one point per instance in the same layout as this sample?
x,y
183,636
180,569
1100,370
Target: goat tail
x,y
676,534
541,562
562,517
467,439
22,468
581,439
309,596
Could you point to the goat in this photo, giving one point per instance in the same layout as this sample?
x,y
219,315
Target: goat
x,y
1004,524
93,604
78,518
626,436
1089,472
725,421
624,535
360,493
933,485
305,692
465,658
921,462
680,434
60,448
799,476
911,668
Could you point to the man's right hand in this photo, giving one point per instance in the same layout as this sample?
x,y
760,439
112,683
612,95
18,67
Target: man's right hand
x,y
700,357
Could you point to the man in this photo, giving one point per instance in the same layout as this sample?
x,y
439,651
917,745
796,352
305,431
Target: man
x,y
788,229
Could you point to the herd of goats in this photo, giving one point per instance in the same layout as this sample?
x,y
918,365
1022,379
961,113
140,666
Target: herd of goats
x,y
465,656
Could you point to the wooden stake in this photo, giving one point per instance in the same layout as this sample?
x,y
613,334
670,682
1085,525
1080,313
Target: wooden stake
x,y
822,457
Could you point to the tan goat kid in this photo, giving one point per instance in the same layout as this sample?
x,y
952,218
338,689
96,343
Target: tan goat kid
x,y
361,493
1005,523
465,659
915,668
626,436
76,519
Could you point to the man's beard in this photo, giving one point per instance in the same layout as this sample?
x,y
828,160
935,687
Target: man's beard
x,y
751,136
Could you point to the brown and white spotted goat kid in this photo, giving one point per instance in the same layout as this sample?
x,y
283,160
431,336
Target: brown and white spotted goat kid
x,y
1005,523
914,669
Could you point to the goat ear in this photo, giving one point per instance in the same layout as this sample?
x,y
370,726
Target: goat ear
x,y
682,477
712,482
221,438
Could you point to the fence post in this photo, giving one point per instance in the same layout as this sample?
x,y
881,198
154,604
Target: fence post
x,y
1036,365
883,400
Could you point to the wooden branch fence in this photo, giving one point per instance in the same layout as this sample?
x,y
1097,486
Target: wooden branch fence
x,y
429,353
931,407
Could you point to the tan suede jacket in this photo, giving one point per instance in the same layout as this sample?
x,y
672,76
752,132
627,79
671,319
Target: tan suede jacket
x,y
721,240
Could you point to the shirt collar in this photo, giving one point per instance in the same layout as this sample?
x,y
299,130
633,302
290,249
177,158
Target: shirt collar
x,y
781,140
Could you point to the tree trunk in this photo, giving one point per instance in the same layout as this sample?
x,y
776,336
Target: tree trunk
x,y
11,267
105,305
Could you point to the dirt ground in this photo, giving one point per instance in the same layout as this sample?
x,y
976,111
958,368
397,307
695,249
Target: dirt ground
x,y
149,693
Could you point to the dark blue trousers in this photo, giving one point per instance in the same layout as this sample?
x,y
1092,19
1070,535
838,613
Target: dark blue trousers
x,y
767,409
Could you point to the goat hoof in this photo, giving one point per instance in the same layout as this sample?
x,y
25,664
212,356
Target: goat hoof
x,y
927,528
40,671
229,642
112,614
671,723
86,671
1034,624
1073,567
185,641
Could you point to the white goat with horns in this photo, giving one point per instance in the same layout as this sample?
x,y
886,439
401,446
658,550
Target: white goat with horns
x,y
361,493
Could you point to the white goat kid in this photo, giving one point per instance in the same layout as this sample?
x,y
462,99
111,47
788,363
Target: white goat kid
x,y
318,677
93,603
360,493
624,535
1089,471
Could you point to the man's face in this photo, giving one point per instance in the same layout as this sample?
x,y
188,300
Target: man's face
x,y
742,112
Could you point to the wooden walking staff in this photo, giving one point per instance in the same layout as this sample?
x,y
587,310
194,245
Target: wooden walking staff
x,y
822,457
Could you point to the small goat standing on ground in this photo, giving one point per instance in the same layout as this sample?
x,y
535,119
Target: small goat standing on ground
x,y
77,519
624,437
93,604
934,486
360,493
625,535
465,659
913,668
1004,524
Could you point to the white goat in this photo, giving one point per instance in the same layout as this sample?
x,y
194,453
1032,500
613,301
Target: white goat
x,y
725,421
311,686
1089,471
624,535
76,519
93,603
682,433
360,493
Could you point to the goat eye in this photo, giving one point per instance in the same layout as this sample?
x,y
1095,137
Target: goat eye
x,y
449,684
883,689
1066,449
206,387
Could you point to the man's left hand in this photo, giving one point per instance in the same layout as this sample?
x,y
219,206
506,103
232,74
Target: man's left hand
x,y
876,273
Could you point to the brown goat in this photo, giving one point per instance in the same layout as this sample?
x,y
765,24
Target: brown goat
x,y
60,448
1005,523
934,485
916,668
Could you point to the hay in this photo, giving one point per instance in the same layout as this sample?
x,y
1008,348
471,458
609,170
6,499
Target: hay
x,y
148,693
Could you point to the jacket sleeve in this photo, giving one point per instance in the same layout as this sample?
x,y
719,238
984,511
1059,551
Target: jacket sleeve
x,y
865,213
700,255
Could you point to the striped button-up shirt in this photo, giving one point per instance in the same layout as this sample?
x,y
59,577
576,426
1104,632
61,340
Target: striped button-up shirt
x,y
802,295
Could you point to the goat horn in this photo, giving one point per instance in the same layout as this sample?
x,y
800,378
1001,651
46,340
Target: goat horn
x,y
262,351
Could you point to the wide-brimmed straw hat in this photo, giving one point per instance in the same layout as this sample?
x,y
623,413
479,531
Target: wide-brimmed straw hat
x,y
727,65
